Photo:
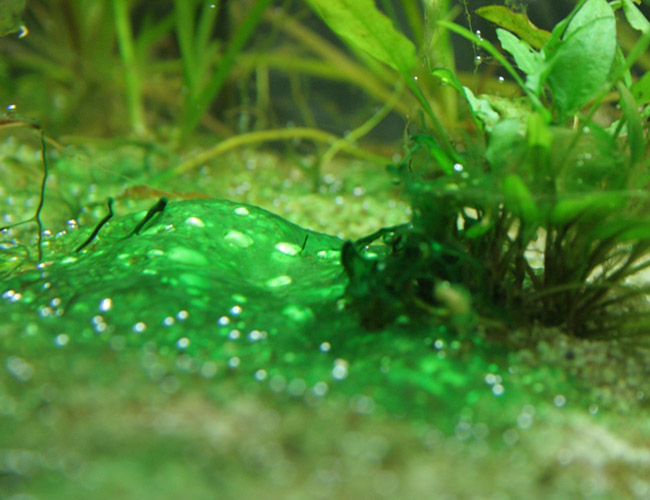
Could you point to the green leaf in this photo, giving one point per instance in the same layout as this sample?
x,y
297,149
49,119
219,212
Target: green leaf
x,y
443,157
506,141
515,22
582,60
482,109
635,17
537,132
499,57
520,200
641,90
360,24
587,204
631,114
10,16
448,77
526,58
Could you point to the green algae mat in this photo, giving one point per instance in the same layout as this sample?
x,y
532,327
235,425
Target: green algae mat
x,y
203,351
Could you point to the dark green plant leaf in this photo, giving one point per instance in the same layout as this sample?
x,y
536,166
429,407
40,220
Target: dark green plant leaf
x,y
360,24
521,201
586,204
582,60
641,90
515,22
10,16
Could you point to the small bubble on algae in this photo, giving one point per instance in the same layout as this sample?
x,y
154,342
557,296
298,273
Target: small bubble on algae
x,y
184,255
238,239
279,281
298,313
288,248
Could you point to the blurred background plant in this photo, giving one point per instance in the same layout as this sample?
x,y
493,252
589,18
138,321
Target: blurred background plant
x,y
109,68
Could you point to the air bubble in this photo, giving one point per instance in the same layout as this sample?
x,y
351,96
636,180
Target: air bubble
x,y
106,304
139,327
340,369
61,339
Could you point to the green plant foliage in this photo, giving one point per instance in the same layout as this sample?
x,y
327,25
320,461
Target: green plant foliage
x,y
361,25
515,22
583,59
545,222
11,16
635,17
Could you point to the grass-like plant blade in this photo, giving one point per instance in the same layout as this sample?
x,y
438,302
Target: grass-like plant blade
x,y
586,204
635,137
202,102
131,72
521,200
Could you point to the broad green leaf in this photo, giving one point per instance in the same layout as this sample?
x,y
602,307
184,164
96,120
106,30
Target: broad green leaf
x,y
635,17
582,60
10,16
520,199
360,24
525,57
515,22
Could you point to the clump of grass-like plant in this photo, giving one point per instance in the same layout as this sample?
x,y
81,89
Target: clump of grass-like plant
x,y
541,213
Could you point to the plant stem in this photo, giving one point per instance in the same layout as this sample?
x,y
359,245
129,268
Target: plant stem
x,y
200,104
132,78
258,137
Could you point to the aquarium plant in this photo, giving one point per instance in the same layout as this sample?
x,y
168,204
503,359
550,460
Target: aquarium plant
x,y
538,213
